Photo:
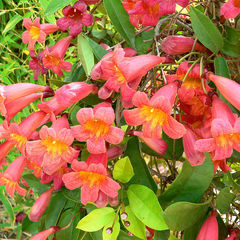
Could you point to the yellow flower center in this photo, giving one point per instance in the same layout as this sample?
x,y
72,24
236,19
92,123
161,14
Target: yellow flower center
x,y
20,140
190,82
227,139
118,74
97,128
53,60
155,115
34,32
91,178
55,147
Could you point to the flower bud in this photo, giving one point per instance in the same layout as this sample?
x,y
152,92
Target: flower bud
x,y
109,230
124,215
40,206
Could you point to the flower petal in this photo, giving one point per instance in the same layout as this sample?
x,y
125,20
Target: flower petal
x,y
114,135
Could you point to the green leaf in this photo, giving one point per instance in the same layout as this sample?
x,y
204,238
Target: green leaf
x,y
231,42
224,199
12,23
182,215
144,41
35,184
136,227
161,235
55,5
141,173
72,195
50,18
54,209
228,180
190,184
175,147
144,204
120,20
65,219
98,50
6,203
96,219
85,54
29,226
115,230
123,170
221,67
206,31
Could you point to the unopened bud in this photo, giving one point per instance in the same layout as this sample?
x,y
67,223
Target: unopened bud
x,y
130,234
127,223
124,216
109,230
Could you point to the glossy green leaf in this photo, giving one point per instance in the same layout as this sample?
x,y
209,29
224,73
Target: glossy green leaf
x,y
85,54
96,219
175,147
141,172
123,170
144,204
206,31
98,50
6,203
136,227
72,195
190,184
182,215
115,230
230,49
12,23
54,209
231,42
120,20
65,219
55,5
224,199
221,67
35,184
29,226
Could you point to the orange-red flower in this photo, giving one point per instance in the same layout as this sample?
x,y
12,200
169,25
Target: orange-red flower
x,y
174,45
36,32
92,177
123,73
96,128
10,93
44,234
155,114
53,57
231,9
148,12
66,96
11,177
74,18
228,88
54,146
